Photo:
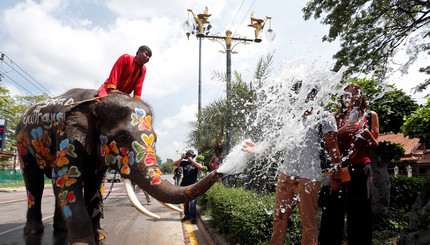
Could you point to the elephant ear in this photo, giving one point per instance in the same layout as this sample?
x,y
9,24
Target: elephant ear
x,y
78,122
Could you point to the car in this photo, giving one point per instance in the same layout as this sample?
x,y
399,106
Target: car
x,y
114,176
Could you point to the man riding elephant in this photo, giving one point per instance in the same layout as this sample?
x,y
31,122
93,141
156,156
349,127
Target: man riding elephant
x,y
75,143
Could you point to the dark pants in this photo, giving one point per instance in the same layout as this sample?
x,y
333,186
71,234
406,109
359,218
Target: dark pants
x,y
354,198
177,179
190,209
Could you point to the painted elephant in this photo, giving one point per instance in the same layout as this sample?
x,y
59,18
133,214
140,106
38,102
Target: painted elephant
x,y
73,139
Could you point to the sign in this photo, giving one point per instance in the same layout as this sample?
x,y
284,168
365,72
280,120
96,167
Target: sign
x,y
2,135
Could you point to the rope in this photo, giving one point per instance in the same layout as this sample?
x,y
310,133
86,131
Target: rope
x,y
111,186
82,101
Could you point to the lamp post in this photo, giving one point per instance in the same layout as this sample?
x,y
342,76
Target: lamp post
x,y
201,20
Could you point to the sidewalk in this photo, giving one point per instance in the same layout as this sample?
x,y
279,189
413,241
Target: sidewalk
x,y
211,235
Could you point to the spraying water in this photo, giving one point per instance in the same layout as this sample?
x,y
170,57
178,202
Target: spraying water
x,y
276,124
281,103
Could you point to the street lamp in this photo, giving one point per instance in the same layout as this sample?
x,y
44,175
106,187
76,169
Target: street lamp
x,y
188,27
201,20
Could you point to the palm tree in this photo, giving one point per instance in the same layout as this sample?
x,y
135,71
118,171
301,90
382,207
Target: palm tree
x,y
209,133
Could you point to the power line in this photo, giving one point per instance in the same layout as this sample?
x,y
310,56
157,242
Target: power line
x,y
17,84
245,16
236,14
12,62
24,78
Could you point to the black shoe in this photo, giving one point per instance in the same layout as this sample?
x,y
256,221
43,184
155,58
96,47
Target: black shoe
x,y
185,218
193,221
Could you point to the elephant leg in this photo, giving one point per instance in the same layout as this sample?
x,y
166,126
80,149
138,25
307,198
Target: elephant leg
x,y
59,221
75,212
68,179
34,182
94,202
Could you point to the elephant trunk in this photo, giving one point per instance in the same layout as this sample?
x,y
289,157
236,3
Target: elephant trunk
x,y
164,191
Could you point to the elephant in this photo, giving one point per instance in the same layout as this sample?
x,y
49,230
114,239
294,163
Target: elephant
x,y
73,139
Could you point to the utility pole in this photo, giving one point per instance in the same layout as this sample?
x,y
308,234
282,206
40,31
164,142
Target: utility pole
x,y
201,20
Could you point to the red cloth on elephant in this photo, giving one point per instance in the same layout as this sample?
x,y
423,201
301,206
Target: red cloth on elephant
x,y
125,76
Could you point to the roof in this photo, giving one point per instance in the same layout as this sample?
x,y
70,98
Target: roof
x,y
410,145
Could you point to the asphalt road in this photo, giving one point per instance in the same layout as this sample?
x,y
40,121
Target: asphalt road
x,y
122,222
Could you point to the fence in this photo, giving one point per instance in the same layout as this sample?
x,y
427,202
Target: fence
x,y
11,176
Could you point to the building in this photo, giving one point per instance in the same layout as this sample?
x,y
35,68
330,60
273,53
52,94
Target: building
x,y
414,155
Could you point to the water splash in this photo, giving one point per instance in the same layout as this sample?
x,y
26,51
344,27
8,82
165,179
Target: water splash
x,y
236,161
276,123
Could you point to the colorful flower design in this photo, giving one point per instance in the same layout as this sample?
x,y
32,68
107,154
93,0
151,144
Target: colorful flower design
x,y
141,119
66,198
156,175
145,153
22,138
67,176
30,199
58,117
106,149
125,159
65,149
41,142
139,149
150,159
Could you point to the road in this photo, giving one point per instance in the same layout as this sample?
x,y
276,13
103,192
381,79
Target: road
x,y
122,222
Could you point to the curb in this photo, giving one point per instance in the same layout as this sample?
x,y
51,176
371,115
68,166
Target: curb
x,y
211,235
22,188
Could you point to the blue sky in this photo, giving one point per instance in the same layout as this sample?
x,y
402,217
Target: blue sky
x,y
65,44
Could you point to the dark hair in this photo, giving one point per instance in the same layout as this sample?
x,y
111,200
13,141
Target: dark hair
x,y
143,48
362,106
296,86
190,153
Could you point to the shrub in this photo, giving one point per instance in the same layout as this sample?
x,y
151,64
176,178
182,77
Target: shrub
x,y
244,216
390,151
166,168
404,192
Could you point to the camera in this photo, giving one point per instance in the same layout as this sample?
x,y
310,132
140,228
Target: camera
x,y
187,155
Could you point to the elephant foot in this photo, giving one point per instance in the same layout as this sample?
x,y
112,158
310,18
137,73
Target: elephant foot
x,y
60,226
33,228
59,221
100,234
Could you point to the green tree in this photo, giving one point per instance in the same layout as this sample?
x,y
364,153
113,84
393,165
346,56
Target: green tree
x,y
166,168
11,109
417,125
209,134
391,104
370,31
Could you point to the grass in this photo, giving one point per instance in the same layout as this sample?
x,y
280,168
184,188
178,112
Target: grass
x,y
18,184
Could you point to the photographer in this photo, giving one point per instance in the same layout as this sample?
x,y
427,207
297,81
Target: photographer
x,y
190,170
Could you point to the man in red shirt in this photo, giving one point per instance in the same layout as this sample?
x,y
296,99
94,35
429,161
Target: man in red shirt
x,y
128,74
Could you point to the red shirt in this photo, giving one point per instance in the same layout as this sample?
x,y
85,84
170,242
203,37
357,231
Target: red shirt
x,y
353,146
125,76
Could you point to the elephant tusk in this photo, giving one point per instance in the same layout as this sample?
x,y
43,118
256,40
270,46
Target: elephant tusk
x,y
135,202
171,206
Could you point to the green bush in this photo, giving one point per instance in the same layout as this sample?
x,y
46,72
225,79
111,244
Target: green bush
x,y
404,192
390,151
390,226
166,168
244,216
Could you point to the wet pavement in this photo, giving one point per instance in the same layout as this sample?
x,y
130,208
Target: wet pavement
x,y
122,222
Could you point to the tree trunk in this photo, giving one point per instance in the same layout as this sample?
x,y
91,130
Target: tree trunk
x,y
380,188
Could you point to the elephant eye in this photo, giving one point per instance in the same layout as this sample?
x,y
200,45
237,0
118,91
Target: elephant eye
x,y
123,138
